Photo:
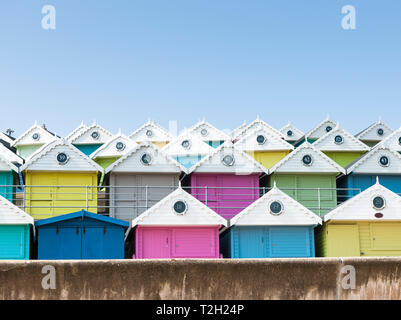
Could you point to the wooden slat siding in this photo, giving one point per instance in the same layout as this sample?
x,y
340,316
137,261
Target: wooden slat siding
x,y
25,151
268,158
312,242
364,238
344,158
235,243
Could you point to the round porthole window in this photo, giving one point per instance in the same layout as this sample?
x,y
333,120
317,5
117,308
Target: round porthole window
x,y
290,133
307,160
204,132
186,144
276,208
149,133
120,146
338,139
228,160
261,139
380,131
180,207
384,161
36,136
146,159
378,203
329,128
62,158
95,135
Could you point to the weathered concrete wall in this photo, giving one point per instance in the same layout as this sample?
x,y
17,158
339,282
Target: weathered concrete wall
x,y
319,278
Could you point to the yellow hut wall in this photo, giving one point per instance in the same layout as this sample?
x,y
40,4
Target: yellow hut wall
x,y
59,189
359,238
268,158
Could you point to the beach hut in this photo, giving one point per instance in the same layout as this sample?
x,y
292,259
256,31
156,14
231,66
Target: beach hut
x,y
308,176
112,150
8,177
15,231
59,179
291,133
209,134
392,141
374,134
380,162
319,131
227,180
80,235
90,139
187,149
264,147
31,140
152,132
369,224
341,146
178,226
139,179
257,124
74,133
274,226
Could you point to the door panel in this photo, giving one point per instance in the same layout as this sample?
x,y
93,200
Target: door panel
x,y
193,242
155,243
252,242
12,242
289,242
386,236
343,241
65,243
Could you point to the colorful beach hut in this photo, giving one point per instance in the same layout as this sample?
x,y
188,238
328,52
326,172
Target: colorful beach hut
x,y
80,235
140,179
291,133
8,177
31,140
319,131
257,124
274,226
380,162
187,149
227,180
59,179
209,134
15,232
264,147
341,146
90,139
153,132
369,224
308,176
112,150
374,134
178,226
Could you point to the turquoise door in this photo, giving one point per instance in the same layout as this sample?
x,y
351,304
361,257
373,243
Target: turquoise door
x,y
288,242
6,182
14,242
251,242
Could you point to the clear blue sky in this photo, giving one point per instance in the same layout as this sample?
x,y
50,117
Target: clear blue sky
x,y
122,62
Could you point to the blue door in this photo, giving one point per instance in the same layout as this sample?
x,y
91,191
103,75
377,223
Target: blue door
x,y
59,243
6,182
251,242
288,242
102,243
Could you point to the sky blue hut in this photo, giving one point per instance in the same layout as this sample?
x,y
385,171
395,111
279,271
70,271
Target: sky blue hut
x,y
80,235
8,177
15,231
274,226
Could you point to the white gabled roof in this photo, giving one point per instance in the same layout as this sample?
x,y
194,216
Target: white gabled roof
x,y
160,163
296,133
360,207
237,130
350,143
85,136
162,213
11,214
274,142
6,138
159,134
320,129
45,159
370,162
26,138
197,146
370,133
257,124
393,141
78,130
292,163
258,213
11,156
109,149
6,164
212,133
243,163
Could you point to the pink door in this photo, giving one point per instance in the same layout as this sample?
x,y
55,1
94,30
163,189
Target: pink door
x,y
155,243
195,242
